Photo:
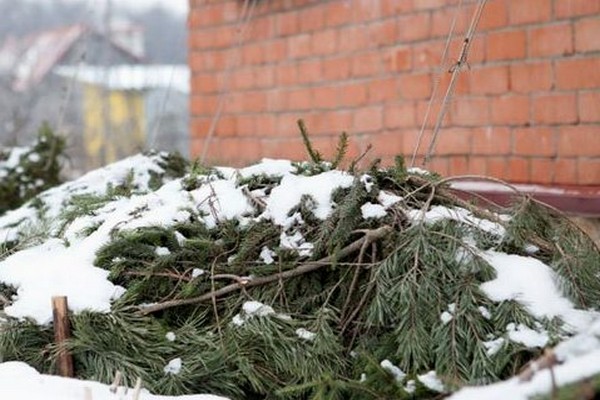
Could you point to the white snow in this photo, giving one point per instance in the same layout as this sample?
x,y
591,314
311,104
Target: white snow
x,y
267,255
485,313
579,357
251,309
292,187
196,272
527,336
418,171
20,381
370,210
388,199
162,251
439,213
173,367
367,181
398,374
296,242
534,285
446,317
170,336
305,334
268,167
432,382
493,346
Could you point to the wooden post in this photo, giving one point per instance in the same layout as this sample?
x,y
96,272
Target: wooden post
x,y
62,332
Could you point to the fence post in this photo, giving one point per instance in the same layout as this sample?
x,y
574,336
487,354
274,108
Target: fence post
x,y
62,332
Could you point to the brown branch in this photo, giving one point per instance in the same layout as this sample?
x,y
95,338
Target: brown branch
x,y
300,270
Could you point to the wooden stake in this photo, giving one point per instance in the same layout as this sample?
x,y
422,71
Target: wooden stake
x,y
62,332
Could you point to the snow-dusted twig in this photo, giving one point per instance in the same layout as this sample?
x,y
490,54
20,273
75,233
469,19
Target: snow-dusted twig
x,y
300,270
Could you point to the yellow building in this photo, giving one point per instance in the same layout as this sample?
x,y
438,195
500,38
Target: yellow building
x,y
132,108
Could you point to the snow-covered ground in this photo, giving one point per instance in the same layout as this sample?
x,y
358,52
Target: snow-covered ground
x,y
63,262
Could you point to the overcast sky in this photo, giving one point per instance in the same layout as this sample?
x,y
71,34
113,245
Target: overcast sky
x,y
177,6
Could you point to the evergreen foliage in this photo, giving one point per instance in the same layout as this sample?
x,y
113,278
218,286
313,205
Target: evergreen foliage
x,y
371,290
27,171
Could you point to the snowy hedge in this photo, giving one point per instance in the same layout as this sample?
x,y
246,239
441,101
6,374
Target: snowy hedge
x,y
296,279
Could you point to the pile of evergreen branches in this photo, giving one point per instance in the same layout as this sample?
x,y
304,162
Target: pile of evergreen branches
x,y
379,297
27,171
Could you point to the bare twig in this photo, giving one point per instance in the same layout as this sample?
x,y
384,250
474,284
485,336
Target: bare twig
x,y
300,270
455,70
546,361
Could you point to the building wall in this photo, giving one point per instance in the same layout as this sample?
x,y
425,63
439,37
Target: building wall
x,y
124,112
527,109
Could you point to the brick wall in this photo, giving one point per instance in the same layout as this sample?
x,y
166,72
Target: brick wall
x,y
527,110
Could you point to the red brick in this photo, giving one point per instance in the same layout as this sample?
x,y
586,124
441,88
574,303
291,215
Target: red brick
x,y
204,105
264,77
368,119
551,40
400,59
299,99
531,77
199,126
491,141
204,83
287,23
310,71
497,167
458,165
290,148
565,171
462,83
428,4
439,165
246,125
542,170
381,90
488,80
242,79
338,13
260,29
275,50
325,97
287,74
578,73
386,143
581,140
324,42
395,8
255,101
311,19
589,106
276,100
518,170
588,172
571,8
337,68
535,141
454,141
400,115
367,64
351,39
427,55
226,126
331,122
414,27
366,10
477,166
414,86
252,53
495,15
510,110
509,45
522,12
470,111
556,108
442,18
287,124
382,33
266,124
299,46
353,94
587,35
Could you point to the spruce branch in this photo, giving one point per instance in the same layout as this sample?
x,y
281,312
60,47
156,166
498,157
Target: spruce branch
x,y
378,233
313,154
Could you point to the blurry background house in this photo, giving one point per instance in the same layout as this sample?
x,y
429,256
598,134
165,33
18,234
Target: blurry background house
x,y
89,68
